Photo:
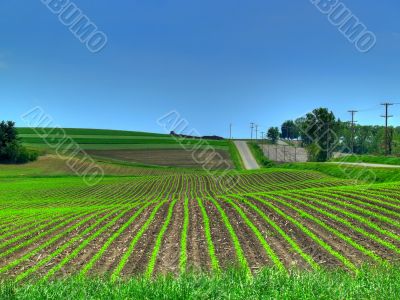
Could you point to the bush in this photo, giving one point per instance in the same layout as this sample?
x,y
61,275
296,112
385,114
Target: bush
x,y
11,150
15,153
26,155
235,156
260,157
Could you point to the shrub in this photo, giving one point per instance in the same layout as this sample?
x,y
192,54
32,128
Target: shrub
x,y
260,157
11,150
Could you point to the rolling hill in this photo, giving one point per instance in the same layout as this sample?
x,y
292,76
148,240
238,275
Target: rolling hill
x,y
152,149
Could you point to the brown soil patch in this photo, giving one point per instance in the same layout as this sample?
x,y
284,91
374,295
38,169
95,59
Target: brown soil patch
x,y
197,251
169,157
169,254
223,244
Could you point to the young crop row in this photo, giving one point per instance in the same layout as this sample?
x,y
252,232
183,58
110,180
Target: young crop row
x,y
308,228
38,193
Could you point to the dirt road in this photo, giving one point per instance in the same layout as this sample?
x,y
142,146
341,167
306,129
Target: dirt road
x,y
367,165
248,159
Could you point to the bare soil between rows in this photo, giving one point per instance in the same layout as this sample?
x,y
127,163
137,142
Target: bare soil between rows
x,y
214,159
197,248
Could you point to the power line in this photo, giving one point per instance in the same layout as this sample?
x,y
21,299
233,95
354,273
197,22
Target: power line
x,y
387,116
372,108
327,142
353,112
256,132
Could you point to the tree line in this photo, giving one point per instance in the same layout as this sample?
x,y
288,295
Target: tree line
x,y
321,133
11,149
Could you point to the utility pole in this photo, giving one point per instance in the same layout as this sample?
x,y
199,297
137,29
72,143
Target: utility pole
x,y
353,112
328,143
387,116
262,137
252,127
256,132
230,131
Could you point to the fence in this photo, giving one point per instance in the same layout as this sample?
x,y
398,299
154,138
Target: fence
x,y
285,153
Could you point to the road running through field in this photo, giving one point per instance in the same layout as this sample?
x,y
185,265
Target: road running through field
x,y
248,159
367,165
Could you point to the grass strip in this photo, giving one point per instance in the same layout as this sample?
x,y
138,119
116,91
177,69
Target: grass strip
x,y
235,156
382,282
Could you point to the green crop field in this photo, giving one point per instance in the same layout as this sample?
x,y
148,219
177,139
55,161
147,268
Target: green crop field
x,y
129,147
98,139
190,150
172,223
290,225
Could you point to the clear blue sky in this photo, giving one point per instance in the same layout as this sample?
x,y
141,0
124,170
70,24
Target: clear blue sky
x,y
215,62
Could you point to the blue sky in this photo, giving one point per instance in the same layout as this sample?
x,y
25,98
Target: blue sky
x,y
216,62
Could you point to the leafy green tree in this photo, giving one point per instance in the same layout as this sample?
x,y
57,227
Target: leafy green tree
x,y
11,150
301,127
367,139
289,130
8,132
273,134
319,128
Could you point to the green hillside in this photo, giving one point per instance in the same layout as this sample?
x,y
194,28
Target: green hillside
x,y
83,131
133,147
101,139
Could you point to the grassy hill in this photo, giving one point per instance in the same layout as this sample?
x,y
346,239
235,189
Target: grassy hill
x,y
101,139
134,147
86,131
373,159
249,234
